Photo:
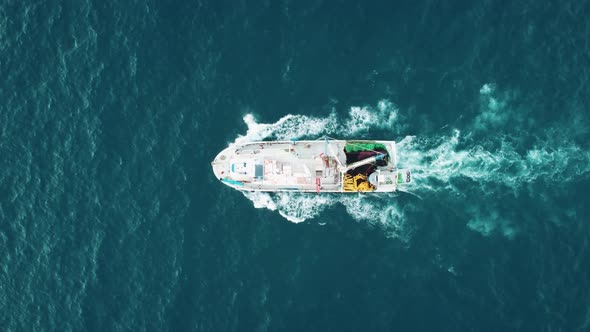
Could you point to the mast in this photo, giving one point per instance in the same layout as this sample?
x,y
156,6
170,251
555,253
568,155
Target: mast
x,y
363,162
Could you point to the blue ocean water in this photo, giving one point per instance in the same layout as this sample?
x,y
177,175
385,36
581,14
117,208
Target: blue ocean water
x,y
111,218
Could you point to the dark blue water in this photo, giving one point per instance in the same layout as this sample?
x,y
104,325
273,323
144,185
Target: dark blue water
x,y
111,218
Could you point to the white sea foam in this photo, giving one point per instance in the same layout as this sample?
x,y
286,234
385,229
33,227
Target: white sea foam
x,y
503,113
363,119
451,163
493,110
487,88
288,127
379,210
438,166
295,207
436,162
359,120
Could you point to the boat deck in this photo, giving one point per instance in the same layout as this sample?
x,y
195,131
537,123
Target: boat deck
x,y
302,166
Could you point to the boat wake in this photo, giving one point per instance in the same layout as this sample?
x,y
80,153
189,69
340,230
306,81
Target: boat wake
x,y
381,210
452,167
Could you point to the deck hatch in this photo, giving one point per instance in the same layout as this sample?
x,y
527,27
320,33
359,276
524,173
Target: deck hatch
x,y
258,171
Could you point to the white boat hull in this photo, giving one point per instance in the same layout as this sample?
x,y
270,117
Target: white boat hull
x,y
308,166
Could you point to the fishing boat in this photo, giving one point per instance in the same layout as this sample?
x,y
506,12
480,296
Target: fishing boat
x,y
324,165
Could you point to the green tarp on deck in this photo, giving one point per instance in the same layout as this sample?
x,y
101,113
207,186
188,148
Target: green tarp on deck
x,y
363,146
